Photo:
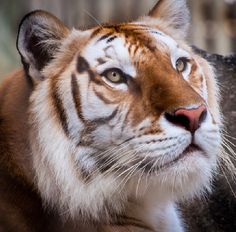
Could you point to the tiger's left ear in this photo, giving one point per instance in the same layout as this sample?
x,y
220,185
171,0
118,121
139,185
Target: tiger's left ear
x,y
171,15
39,38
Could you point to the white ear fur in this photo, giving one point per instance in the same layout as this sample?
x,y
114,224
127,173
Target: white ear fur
x,y
173,15
39,38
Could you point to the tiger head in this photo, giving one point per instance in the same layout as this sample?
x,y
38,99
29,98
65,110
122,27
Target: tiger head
x,y
119,112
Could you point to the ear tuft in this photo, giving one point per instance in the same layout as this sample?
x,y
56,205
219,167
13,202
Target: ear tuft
x,y
39,37
174,14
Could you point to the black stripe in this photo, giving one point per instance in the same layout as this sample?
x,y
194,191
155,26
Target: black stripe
x,y
102,98
76,97
59,107
106,119
82,65
101,61
156,32
111,39
105,36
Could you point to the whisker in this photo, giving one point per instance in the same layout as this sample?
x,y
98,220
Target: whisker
x,y
141,175
227,147
92,17
111,170
129,175
228,141
225,133
231,188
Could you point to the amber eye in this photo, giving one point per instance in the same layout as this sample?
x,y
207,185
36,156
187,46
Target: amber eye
x,y
114,75
181,64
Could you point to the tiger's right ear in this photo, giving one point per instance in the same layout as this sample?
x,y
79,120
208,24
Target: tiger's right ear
x,y
40,36
170,15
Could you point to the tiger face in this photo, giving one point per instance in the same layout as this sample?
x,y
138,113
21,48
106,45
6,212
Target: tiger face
x,y
136,81
119,112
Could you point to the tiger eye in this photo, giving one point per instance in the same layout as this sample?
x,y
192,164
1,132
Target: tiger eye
x,y
114,76
181,65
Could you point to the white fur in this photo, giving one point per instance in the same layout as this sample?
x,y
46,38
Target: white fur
x,y
56,175
91,104
57,158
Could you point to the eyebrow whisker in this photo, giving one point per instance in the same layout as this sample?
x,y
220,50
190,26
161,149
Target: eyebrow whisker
x,y
92,17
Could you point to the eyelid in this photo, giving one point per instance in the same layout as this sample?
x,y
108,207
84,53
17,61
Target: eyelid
x,y
187,59
108,65
112,69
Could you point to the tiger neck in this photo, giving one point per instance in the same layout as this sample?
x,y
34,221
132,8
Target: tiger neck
x,y
147,216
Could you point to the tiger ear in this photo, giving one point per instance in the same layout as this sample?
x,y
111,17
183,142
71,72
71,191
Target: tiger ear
x,y
173,14
40,36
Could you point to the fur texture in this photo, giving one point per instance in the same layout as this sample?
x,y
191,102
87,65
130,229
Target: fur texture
x,y
99,146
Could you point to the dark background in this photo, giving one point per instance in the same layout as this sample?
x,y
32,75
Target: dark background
x,y
213,29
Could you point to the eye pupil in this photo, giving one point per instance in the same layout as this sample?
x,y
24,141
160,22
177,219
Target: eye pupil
x,y
115,76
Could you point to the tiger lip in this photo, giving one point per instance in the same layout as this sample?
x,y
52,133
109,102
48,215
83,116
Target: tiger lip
x,y
148,167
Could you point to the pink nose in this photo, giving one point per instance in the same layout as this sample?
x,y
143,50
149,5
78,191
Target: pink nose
x,y
190,119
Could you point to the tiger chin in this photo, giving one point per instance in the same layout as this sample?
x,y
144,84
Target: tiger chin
x,y
108,128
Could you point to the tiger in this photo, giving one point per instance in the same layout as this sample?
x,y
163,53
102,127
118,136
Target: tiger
x,y
107,128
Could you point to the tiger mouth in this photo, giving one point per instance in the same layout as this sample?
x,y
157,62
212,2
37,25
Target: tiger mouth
x,y
191,148
148,165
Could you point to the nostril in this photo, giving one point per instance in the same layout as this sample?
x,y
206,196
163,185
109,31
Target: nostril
x,y
178,120
190,119
203,116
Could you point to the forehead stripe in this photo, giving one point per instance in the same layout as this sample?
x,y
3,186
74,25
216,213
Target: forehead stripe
x,y
105,36
111,39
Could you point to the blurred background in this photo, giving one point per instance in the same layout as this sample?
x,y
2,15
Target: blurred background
x,y
213,25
